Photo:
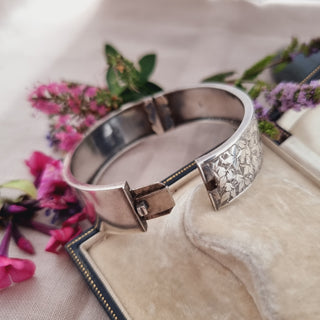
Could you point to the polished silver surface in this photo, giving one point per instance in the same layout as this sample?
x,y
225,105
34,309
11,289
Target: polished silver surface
x,y
227,170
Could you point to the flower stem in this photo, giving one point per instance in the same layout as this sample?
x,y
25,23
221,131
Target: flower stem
x,y
41,227
4,246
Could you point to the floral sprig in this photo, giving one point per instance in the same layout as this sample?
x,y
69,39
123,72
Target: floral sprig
x,y
286,96
73,108
48,195
281,97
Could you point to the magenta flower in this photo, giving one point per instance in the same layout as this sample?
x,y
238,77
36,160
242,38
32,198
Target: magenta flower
x,y
37,164
93,106
70,229
61,236
67,140
11,269
22,242
89,121
57,89
90,92
75,219
62,121
53,191
72,108
47,107
75,105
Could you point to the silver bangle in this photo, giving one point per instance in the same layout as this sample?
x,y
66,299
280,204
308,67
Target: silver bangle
x,y
227,170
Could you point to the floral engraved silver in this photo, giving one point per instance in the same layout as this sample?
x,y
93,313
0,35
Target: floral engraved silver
x,y
231,172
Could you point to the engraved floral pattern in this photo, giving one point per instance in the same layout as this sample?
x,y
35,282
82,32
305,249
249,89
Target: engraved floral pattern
x,y
234,170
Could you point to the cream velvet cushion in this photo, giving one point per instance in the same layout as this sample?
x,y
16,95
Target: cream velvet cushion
x,y
258,258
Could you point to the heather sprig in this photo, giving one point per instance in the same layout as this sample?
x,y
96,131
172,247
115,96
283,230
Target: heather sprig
x,y
276,98
289,95
72,108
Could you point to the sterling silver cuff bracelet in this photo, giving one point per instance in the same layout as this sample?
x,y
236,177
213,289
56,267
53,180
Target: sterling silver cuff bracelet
x,y
227,170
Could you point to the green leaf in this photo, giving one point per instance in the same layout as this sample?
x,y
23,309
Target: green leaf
x,y
113,82
146,89
219,77
25,186
239,85
257,68
269,129
129,96
285,55
147,64
280,67
255,90
150,88
110,50
316,95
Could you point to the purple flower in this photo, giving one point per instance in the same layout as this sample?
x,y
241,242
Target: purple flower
x,y
290,95
260,110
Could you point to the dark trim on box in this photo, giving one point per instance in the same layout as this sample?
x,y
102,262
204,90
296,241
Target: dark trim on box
x,y
180,173
95,284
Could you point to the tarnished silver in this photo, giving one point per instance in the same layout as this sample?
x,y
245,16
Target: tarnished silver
x,y
227,170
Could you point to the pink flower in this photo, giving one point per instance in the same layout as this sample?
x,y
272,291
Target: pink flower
x,y
70,229
76,90
57,88
15,270
76,218
25,245
53,192
42,92
93,106
75,105
89,120
47,107
37,164
68,140
63,120
102,111
61,236
22,242
11,269
90,92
